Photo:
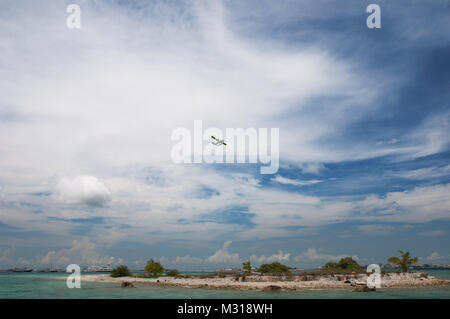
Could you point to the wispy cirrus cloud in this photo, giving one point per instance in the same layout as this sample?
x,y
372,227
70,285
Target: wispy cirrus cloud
x,y
284,180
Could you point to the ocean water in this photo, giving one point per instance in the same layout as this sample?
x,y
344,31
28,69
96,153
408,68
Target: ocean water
x,y
53,286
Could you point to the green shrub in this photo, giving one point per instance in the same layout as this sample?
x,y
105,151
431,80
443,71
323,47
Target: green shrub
x,y
346,263
173,273
121,271
275,267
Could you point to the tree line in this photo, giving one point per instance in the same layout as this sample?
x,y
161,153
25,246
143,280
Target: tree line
x,y
155,269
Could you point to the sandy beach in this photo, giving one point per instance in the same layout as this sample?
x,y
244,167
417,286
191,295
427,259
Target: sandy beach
x,y
273,283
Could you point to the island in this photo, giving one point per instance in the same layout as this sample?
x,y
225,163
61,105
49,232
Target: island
x,y
345,274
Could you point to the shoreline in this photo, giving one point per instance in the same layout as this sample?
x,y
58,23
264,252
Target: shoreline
x,y
277,283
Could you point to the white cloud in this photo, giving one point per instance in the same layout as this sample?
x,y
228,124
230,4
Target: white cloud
x,y
279,257
434,256
426,173
82,252
421,204
223,256
7,258
388,142
109,121
245,179
284,180
314,255
83,189
432,136
117,127
311,168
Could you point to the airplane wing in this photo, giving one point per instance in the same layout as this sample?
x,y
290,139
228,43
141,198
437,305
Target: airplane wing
x,y
217,141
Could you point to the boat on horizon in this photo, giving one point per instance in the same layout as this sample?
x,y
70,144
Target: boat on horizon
x,y
20,270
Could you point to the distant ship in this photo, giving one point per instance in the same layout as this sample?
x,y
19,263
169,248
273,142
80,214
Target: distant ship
x,y
54,270
106,268
21,270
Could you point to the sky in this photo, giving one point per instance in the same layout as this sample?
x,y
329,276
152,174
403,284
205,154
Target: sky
x,y
86,117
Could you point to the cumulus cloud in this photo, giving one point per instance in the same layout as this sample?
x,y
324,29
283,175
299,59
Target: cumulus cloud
x,y
223,256
314,255
7,256
83,189
82,252
434,256
279,257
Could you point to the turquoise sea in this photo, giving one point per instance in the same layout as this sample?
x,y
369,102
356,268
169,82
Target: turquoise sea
x,y
53,285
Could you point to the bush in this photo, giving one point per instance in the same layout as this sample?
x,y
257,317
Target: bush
x,y
331,265
154,267
173,273
121,271
346,263
275,267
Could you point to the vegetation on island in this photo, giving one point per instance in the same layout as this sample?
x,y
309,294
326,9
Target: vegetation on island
x,y
247,266
173,273
346,263
274,267
404,261
121,271
154,268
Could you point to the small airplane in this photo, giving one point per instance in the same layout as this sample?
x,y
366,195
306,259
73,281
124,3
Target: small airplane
x,y
218,142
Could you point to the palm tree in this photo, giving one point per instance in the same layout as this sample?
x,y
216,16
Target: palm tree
x,y
404,262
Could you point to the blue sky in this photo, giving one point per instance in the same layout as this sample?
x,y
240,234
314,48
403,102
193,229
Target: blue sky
x,y
85,126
